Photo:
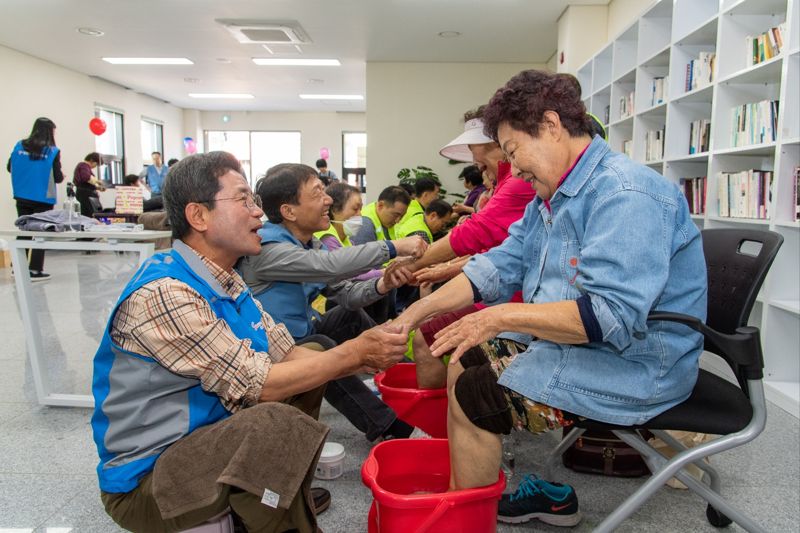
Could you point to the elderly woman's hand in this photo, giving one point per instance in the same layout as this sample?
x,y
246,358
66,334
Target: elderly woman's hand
x,y
467,332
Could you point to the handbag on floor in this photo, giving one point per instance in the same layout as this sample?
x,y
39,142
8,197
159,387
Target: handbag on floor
x,y
601,452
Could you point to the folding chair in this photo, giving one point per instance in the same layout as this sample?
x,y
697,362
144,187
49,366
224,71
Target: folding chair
x,y
716,406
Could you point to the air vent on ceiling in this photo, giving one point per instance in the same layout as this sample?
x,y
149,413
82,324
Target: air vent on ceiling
x,y
266,32
283,49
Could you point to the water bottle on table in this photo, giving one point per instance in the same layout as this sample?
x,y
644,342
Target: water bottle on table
x,y
73,209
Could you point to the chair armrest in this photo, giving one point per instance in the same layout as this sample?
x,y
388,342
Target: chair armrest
x,y
741,350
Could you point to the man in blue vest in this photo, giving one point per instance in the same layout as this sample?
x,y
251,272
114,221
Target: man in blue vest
x,y
203,403
294,267
154,174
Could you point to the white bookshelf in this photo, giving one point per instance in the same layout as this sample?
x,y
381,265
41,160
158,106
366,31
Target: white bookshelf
x,y
665,38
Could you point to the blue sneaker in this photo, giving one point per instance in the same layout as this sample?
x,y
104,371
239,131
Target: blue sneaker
x,y
551,503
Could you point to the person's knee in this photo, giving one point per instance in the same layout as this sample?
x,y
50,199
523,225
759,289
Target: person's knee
x,y
482,400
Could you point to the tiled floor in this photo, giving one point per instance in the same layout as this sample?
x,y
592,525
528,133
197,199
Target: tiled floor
x,y
47,457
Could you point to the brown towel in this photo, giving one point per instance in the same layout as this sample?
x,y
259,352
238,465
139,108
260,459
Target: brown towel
x,y
269,446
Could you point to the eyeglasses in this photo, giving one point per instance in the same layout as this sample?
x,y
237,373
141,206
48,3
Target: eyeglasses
x,y
250,200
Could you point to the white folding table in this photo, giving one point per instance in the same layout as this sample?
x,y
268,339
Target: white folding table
x,y
142,242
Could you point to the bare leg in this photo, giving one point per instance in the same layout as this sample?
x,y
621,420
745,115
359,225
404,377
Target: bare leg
x,y
431,371
474,452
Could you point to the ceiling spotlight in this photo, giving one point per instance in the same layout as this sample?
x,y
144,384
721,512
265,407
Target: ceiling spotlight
x,y
331,97
91,32
448,34
223,60
226,118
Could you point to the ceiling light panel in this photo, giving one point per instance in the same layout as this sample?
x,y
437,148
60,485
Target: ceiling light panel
x,y
331,97
287,62
233,96
148,61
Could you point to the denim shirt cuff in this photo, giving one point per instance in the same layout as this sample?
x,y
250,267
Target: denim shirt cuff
x,y
590,324
483,275
613,330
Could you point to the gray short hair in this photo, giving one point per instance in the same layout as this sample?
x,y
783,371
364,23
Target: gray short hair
x,y
194,179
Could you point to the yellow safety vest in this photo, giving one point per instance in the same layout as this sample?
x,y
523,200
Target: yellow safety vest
x,y
415,224
332,232
413,208
370,211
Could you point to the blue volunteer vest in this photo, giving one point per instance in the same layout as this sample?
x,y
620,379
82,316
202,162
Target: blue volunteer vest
x,y
32,179
289,302
156,178
141,408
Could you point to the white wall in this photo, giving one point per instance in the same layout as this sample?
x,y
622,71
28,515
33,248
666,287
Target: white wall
x,y
582,31
622,13
32,88
317,130
413,109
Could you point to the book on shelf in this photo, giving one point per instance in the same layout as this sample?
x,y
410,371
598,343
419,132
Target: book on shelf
x,y
627,148
654,145
606,114
765,46
695,191
754,123
700,71
745,194
658,90
626,106
699,136
796,201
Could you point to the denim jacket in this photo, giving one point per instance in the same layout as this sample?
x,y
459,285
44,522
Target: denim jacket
x,y
622,234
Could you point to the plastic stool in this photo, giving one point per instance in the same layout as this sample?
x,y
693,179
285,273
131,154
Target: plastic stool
x,y
423,408
409,480
222,523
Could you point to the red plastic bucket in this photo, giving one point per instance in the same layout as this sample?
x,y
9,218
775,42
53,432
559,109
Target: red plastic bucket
x,y
409,480
423,408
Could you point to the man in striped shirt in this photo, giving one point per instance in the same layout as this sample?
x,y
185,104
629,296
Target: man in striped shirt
x,y
202,401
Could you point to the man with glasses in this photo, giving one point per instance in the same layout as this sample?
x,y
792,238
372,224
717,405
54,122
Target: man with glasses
x,y
294,267
202,402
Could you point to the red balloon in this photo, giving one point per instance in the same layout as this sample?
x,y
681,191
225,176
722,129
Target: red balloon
x,y
97,126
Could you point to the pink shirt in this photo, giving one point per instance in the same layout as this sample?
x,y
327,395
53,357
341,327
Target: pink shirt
x,y
489,227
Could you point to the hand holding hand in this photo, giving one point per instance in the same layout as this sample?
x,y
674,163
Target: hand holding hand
x,y
465,333
382,346
414,246
395,275
437,273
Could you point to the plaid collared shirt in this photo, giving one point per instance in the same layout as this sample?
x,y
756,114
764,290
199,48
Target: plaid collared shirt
x,y
170,322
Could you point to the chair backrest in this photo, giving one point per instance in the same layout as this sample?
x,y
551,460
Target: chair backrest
x,y
96,205
737,261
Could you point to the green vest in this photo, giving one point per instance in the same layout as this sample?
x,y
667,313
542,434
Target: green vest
x,y
370,211
415,224
332,232
413,208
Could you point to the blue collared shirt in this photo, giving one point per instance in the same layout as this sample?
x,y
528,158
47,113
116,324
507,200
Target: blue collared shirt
x,y
621,233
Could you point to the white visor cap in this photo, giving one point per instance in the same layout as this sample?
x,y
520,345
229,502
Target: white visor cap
x,y
458,148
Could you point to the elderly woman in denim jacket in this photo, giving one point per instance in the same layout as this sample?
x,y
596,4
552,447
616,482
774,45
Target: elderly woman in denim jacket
x,y
605,242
